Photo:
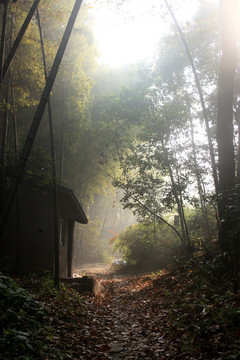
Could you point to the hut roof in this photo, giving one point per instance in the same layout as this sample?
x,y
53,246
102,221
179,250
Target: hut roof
x,y
67,196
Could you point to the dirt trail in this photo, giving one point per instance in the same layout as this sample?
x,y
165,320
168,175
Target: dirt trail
x,y
169,316
98,270
124,322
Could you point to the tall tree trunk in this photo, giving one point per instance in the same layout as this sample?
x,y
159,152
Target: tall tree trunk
x,y
53,158
37,118
228,12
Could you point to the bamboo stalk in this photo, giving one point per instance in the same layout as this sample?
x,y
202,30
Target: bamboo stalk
x,y
37,118
18,40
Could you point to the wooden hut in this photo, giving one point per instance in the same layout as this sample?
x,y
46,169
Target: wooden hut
x,y
28,239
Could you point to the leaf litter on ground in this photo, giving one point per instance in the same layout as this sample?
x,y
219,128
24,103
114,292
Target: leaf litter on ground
x,y
179,313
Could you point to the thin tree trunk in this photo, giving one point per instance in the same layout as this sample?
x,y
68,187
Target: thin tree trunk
x,y
199,185
158,217
237,118
15,152
15,161
37,118
54,173
205,115
14,120
5,101
154,230
3,36
196,170
62,141
4,142
182,209
176,197
12,141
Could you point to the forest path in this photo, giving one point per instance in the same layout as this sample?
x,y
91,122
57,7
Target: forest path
x,y
127,321
97,270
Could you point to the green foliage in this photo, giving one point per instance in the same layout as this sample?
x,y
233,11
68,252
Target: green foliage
x,y
156,244
71,93
27,67
147,244
21,319
165,168
202,229
34,321
207,315
42,169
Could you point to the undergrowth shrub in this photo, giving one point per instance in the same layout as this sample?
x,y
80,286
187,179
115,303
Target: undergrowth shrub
x,y
21,318
34,321
202,230
147,244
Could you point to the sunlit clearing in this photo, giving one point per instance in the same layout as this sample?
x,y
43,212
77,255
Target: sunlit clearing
x,y
129,42
131,32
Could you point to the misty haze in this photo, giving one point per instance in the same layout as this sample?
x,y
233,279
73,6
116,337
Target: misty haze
x,y
119,179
